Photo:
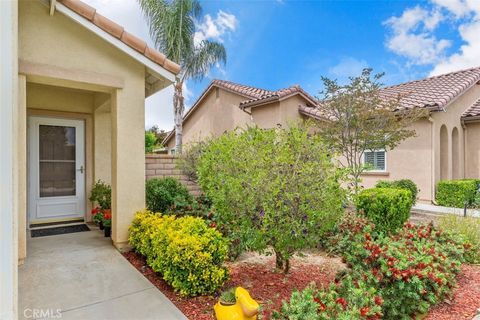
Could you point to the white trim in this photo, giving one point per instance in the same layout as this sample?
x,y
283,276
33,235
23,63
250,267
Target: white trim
x,y
154,68
385,160
8,99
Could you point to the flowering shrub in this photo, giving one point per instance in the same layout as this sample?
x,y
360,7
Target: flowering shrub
x,y
387,208
97,215
185,251
346,299
411,270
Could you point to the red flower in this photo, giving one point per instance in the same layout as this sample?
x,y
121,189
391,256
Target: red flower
x,y
343,302
364,311
378,300
322,306
107,216
213,225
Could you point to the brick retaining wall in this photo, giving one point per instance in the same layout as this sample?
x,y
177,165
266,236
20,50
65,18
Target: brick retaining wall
x,y
162,166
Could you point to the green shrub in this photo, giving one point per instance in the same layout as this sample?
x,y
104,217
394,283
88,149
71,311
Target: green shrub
x,y
185,251
454,193
406,184
388,209
348,299
468,229
161,194
411,270
190,157
272,188
101,193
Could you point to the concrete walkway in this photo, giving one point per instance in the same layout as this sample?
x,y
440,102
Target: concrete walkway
x,y
430,208
84,277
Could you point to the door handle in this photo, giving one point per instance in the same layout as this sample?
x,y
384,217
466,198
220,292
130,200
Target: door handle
x,y
81,169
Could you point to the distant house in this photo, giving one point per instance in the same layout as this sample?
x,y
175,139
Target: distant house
x,y
225,105
73,89
446,145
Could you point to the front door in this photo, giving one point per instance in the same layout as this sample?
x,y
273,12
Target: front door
x,y
56,169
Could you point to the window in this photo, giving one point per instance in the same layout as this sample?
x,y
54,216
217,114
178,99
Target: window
x,y
375,159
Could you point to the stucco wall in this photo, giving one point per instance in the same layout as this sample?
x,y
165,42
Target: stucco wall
x,y
277,113
162,166
218,112
67,48
412,159
472,152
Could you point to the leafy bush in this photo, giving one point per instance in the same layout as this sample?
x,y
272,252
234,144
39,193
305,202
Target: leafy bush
x,y
190,157
275,187
405,184
150,140
185,251
101,193
162,193
468,229
348,299
454,193
387,208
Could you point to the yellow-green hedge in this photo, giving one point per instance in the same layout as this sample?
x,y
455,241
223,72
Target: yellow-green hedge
x,y
185,251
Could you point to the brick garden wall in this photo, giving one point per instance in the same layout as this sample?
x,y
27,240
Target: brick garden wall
x,y
162,166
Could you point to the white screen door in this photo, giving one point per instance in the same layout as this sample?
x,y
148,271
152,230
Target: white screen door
x,y
56,169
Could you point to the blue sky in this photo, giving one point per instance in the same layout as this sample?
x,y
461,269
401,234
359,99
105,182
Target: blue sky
x,y
275,44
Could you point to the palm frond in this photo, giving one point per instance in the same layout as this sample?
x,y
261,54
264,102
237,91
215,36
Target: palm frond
x,y
205,56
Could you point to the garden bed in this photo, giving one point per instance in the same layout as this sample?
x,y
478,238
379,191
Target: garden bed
x,y
465,300
257,274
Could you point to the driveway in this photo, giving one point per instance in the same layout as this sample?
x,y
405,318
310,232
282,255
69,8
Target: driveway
x,y
82,276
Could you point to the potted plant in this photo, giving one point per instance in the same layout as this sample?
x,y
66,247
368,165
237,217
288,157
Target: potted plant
x,y
107,224
102,195
97,217
227,298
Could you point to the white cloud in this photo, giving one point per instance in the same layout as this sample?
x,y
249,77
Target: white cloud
x,y
412,36
347,67
215,29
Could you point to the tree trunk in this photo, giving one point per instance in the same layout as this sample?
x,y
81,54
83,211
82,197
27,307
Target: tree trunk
x,y
178,109
286,266
278,260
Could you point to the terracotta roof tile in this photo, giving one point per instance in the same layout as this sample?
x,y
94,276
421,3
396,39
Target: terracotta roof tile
x,y
278,95
248,91
472,111
118,32
433,93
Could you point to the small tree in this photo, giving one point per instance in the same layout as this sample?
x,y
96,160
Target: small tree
x,y
273,188
356,117
150,140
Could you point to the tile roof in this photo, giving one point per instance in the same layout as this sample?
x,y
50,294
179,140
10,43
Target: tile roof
x,y
119,32
278,95
247,91
472,111
434,93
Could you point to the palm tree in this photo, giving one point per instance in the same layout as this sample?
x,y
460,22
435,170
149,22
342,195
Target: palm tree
x,y
172,28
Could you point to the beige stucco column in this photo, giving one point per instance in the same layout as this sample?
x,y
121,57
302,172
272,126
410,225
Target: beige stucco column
x,y
8,142
21,167
128,161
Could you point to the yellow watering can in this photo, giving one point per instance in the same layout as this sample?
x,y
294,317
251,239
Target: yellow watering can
x,y
245,308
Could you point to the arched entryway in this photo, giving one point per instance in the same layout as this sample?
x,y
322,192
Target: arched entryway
x,y
443,153
455,154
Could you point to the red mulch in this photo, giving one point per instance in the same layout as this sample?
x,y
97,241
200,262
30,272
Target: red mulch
x,y
269,288
466,298
265,285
